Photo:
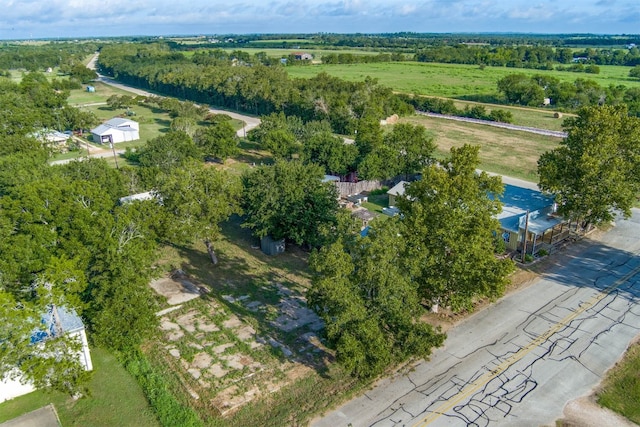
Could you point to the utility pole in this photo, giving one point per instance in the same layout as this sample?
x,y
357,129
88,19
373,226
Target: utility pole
x,y
524,241
109,139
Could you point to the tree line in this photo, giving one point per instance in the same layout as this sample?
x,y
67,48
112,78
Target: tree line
x,y
255,89
41,57
532,90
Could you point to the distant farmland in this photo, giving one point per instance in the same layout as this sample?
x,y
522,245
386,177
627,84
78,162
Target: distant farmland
x,y
451,80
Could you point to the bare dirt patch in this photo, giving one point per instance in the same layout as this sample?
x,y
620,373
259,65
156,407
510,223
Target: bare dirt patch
x,y
585,412
178,288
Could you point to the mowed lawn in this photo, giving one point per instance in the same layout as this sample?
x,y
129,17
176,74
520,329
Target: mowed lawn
x,y
502,151
452,80
115,400
102,93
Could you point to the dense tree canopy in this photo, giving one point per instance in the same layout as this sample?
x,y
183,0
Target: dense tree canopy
x,y
289,201
198,199
168,151
370,306
449,226
403,151
596,170
218,140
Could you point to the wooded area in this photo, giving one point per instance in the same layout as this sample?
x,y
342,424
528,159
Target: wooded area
x,y
69,239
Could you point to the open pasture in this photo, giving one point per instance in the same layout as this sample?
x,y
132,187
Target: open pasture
x,y
452,80
502,151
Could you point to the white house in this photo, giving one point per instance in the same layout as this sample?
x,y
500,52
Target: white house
x,y
57,320
116,130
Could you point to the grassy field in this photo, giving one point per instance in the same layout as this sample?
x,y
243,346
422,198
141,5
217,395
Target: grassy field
x,y
451,80
284,52
103,91
115,400
620,390
502,151
523,116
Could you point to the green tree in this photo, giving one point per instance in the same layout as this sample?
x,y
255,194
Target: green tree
x,y
218,140
330,152
596,170
120,101
289,201
370,307
412,147
277,134
82,73
635,72
198,199
187,125
521,89
52,364
449,226
168,151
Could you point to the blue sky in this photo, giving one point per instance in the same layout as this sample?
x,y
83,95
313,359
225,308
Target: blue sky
x,y
79,18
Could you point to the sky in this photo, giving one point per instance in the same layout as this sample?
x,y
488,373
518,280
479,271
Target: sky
x,y
24,19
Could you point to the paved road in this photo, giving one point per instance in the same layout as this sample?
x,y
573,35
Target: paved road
x,y
518,362
249,121
538,131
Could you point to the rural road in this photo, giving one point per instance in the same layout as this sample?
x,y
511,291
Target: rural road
x,y
537,131
518,362
249,121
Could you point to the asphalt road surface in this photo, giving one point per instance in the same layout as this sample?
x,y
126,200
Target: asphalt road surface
x,y
518,362
249,121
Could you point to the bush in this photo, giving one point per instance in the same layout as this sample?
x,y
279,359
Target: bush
x,y
542,252
379,191
501,116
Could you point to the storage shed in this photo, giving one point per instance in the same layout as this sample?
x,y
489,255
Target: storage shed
x,y
116,130
272,247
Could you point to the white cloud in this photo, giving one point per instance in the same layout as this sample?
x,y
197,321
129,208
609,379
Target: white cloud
x,y
56,18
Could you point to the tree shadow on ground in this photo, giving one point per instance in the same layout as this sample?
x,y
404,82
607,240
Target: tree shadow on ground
x,y
265,292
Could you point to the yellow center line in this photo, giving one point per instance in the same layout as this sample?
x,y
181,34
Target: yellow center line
x,y
488,376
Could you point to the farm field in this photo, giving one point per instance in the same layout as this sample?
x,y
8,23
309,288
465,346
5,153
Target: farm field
x,y
284,52
502,151
451,80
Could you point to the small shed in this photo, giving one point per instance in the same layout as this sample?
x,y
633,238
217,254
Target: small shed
x,y
272,247
364,215
395,191
358,198
91,88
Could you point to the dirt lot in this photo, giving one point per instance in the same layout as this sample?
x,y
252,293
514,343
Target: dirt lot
x,y
227,353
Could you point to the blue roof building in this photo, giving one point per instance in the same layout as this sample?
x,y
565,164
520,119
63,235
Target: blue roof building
x,y
530,212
